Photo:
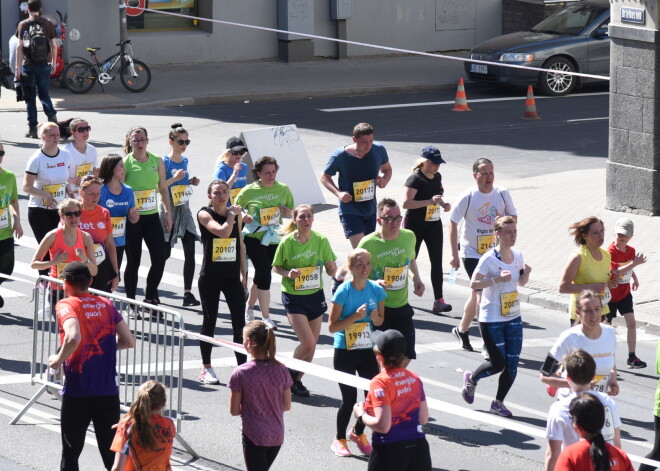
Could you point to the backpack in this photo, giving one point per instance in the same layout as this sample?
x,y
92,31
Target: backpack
x,y
39,43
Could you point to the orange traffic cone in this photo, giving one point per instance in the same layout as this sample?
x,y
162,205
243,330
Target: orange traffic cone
x,y
530,105
461,100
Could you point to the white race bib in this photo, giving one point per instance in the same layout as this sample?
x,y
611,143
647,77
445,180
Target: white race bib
x,y
606,297
224,250
608,427
627,276
358,336
99,253
601,383
181,194
395,278
309,278
118,226
4,218
145,200
364,191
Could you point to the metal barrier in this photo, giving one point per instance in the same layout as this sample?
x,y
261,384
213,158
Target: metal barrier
x,y
158,352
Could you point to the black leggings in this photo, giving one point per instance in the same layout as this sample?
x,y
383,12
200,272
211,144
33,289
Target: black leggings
x,y
258,458
407,455
655,452
104,276
363,362
6,257
42,221
147,228
120,257
431,234
188,241
262,259
209,291
76,414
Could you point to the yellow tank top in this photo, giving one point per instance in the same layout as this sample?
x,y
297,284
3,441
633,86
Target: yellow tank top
x,y
591,271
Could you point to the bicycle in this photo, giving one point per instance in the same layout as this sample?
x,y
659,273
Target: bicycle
x,y
81,75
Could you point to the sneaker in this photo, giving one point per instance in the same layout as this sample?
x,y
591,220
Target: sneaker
x,y
463,339
634,363
207,376
497,407
249,314
340,448
190,300
468,387
299,389
439,306
32,132
362,442
270,323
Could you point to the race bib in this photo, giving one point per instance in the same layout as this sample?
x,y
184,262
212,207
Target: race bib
x,y
145,200
181,194
600,383
606,297
4,218
224,250
118,226
84,169
99,253
57,191
608,426
432,212
358,336
233,193
395,278
309,278
510,304
485,242
59,268
269,216
627,276
364,191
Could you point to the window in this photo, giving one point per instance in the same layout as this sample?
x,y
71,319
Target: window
x,y
145,20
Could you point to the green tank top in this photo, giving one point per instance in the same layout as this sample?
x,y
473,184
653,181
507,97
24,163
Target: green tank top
x,y
143,178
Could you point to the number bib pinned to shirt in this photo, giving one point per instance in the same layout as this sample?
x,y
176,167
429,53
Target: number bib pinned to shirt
x,y
233,193
358,336
83,170
364,191
181,194
309,278
224,250
59,268
57,191
99,253
510,304
269,216
608,427
395,278
432,212
118,226
627,276
606,297
4,218
145,200
485,242
601,383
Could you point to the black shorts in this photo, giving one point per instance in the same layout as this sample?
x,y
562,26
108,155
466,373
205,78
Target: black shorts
x,y
470,264
401,319
625,306
354,224
310,305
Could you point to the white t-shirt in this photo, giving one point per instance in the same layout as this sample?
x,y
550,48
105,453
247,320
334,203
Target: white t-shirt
x,y
478,211
500,302
560,425
51,172
81,164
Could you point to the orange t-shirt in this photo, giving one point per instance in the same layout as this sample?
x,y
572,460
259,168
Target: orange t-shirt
x,y
140,459
97,223
576,457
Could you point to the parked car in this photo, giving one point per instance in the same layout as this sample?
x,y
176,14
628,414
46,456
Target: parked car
x,y
574,39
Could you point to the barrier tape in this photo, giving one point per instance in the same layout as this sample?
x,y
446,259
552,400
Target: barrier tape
x,y
374,46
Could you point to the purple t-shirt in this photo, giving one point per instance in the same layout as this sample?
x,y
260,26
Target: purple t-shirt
x,y
261,383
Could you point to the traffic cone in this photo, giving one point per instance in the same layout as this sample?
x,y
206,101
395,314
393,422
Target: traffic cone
x,y
530,105
460,104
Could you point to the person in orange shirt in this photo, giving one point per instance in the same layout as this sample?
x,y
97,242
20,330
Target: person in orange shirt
x,y
144,437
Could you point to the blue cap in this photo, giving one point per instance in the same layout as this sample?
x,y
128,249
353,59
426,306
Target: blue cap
x,y
433,154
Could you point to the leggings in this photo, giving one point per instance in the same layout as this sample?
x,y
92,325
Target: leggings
x,y
42,221
655,452
188,240
120,257
209,290
503,341
407,455
6,257
262,259
258,458
104,276
77,413
147,228
363,362
431,234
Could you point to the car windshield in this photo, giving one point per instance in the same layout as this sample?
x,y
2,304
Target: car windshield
x,y
572,20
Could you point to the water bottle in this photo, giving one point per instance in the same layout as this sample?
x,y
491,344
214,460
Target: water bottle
x,y
105,67
451,279
26,39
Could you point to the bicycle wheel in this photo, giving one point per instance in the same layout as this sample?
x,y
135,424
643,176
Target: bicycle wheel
x,y
79,77
138,82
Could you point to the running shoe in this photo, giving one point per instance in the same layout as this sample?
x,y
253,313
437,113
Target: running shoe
x,y
299,389
362,442
468,387
270,323
497,407
634,363
463,339
207,376
189,299
340,448
249,314
439,306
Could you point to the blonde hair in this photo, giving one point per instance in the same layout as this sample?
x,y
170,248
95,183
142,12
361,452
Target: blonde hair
x,y
44,127
66,203
419,163
151,397
292,226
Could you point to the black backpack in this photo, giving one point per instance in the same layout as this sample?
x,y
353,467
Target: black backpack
x,y
39,43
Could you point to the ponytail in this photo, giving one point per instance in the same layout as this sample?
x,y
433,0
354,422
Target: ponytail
x,y
151,397
599,453
588,414
263,340
418,164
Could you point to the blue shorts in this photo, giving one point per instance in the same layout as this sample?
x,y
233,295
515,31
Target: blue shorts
x,y
311,305
354,224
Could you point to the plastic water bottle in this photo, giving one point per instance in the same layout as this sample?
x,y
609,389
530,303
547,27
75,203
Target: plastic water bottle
x,y
105,67
451,279
26,39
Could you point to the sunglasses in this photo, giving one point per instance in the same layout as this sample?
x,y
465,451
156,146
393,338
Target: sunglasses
x,y
182,142
391,219
72,214
2,153
237,152
83,128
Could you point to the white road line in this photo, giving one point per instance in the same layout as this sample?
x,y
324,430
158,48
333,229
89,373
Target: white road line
x,y
586,119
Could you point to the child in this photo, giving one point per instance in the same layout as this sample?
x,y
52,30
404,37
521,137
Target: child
x,y
143,435
260,393
580,371
625,260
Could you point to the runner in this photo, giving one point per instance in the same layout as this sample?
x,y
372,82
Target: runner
x,y
231,168
357,306
145,173
395,409
180,186
299,259
10,220
82,155
265,201
498,274
423,201
392,252
477,208
654,454
224,269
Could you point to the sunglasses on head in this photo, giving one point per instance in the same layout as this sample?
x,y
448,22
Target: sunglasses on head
x,y
83,128
2,153
238,152
71,214
182,142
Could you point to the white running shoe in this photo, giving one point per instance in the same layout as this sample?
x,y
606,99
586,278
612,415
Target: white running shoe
x,y
270,323
249,314
207,376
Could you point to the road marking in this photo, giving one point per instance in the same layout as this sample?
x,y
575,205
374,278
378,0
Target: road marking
x,y
586,119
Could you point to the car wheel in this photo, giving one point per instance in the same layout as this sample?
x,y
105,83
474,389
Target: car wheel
x,y
553,84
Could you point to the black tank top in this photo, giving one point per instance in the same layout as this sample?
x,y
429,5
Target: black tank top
x,y
225,251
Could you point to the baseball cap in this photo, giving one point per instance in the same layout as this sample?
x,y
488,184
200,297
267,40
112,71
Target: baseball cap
x,y
624,226
391,343
433,154
235,144
76,271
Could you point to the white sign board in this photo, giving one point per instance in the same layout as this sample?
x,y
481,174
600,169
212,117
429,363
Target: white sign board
x,y
286,145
